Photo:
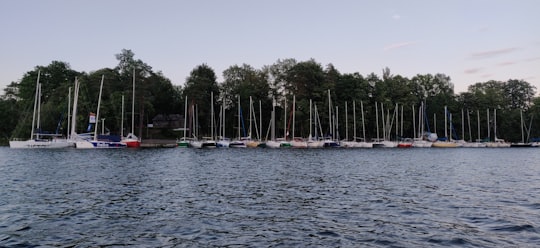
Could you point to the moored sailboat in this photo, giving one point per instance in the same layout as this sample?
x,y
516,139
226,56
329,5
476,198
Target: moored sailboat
x,y
37,139
98,142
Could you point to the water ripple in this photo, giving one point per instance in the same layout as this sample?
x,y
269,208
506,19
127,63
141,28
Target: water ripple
x,y
264,197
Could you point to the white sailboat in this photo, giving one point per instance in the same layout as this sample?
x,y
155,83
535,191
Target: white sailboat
x,y
184,143
419,140
329,141
36,138
195,142
238,142
210,142
447,142
131,140
95,142
313,142
296,142
222,141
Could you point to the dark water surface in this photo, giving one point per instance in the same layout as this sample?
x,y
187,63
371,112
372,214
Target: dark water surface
x,y
263,197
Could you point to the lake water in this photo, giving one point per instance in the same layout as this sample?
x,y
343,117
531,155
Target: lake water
x,y
263,197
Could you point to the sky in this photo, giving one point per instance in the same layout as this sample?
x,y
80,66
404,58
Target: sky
x,y
469,40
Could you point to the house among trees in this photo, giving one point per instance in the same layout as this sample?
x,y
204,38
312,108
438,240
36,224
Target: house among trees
x,y
171,121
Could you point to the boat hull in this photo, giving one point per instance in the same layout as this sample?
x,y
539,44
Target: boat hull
x,y
30,144
99,144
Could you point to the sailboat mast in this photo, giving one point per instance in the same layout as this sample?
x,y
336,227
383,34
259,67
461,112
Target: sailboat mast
x,y
185,117
133,105
414,121
346,123
377,119
239,135
489,128
354,119
260,120
250,115
38,126
495,124
462,125
469,123
310,119
212,115
478,121
74,112
336,137
98,105
293,115
273,116
122,118
445,123
69,114
363,126
401,121
36,99
522,124
330,113
285,120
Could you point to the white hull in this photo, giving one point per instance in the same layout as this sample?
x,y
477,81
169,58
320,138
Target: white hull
x,y
237,144
299,144
92,144
195,144
223,143
54,143
422,143
272,144
314,144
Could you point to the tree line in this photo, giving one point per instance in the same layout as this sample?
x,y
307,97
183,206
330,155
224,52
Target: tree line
x,y
271,87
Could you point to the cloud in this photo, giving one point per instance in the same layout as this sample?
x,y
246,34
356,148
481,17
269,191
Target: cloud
x,y
396,17
472,70
492,53
487,75
532,59
506,63
399,45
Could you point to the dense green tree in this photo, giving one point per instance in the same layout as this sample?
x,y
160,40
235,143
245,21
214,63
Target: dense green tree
x,y
198,88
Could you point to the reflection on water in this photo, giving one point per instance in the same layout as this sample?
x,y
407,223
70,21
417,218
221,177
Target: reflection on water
x,y
266,197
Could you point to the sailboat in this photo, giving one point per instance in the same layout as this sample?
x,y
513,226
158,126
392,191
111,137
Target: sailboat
x,y
346,142
195,142
522,143
329,141
184,143
131,140
249,141
404,142
296,142
238,143
210,142
420,140
313,141
222,142
95,142
36,140
446,142
499,143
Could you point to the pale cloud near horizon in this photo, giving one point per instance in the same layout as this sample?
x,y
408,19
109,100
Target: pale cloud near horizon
x,y
472,70
492,53
532,59
399,45
506,63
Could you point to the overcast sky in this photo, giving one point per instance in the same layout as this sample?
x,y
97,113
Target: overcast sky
x,y
469,40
